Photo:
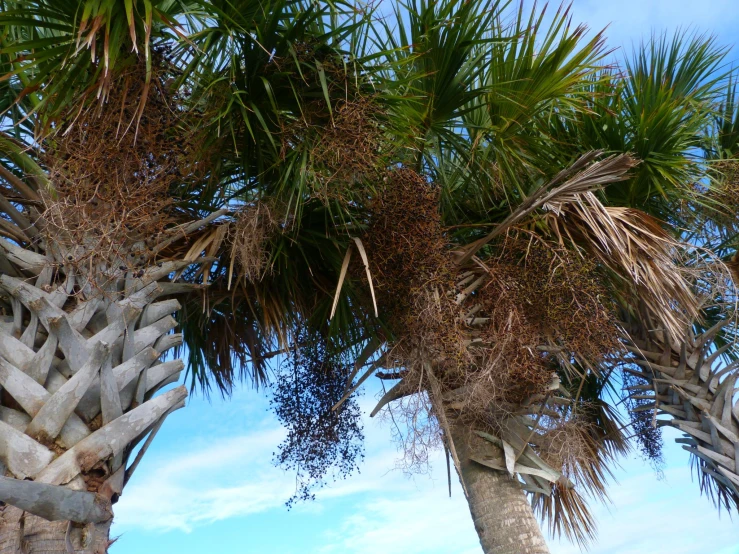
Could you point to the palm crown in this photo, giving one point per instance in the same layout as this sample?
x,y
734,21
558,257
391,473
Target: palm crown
x,y
461,197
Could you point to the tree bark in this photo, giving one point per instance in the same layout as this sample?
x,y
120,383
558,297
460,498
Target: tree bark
x,y
502,514
80,374
689,383
24,533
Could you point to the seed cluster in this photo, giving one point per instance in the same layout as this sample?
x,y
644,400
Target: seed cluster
x,y
411,268
724,191
646,433
560,295
115,168
496,342
249,235
343,145
339,133
320,441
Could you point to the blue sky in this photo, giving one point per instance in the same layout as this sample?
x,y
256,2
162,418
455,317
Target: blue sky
x,y
207,483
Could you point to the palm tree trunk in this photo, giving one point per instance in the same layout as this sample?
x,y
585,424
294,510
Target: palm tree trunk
x,y
80,367
28,534
690,383
502,514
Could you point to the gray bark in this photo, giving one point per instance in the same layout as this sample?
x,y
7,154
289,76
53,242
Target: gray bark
x,y
689,383
86,327
23,532
502,514
79,382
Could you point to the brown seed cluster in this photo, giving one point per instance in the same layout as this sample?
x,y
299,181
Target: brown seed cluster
x,y
541,300
725,190
115,168
344,145
411,268
249,235
492,346
560,295
534,294
340,131
349,150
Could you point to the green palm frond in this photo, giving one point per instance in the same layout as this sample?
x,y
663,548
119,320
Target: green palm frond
x,y
485,118
723,137
656,108
536,77
60,53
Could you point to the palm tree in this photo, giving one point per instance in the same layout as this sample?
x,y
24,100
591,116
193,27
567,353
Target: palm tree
x,y
116,202
475,207
517,255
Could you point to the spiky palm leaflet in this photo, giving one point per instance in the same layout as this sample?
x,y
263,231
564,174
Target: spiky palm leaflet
x,y
485,182
459,91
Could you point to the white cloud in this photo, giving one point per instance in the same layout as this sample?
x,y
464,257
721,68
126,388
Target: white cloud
x,y
382,511
232,478
407,522
197,477
647,515
228,478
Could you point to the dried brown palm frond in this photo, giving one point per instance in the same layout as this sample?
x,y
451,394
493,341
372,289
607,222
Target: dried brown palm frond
x,y
571,446
581,178
634,245
568,514
582,446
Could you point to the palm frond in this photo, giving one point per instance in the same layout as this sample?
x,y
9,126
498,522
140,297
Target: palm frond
x,y
554,196
60,53
635,247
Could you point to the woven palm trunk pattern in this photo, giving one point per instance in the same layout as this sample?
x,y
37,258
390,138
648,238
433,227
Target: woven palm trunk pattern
x,y
80,368
689,383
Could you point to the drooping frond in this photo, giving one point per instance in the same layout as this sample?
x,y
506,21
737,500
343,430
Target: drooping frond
x,y
634,246
64,53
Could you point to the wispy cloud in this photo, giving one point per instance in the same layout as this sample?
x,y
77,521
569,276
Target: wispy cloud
x,y
666,516
383,511
380,510
645,516
228,478
406,522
